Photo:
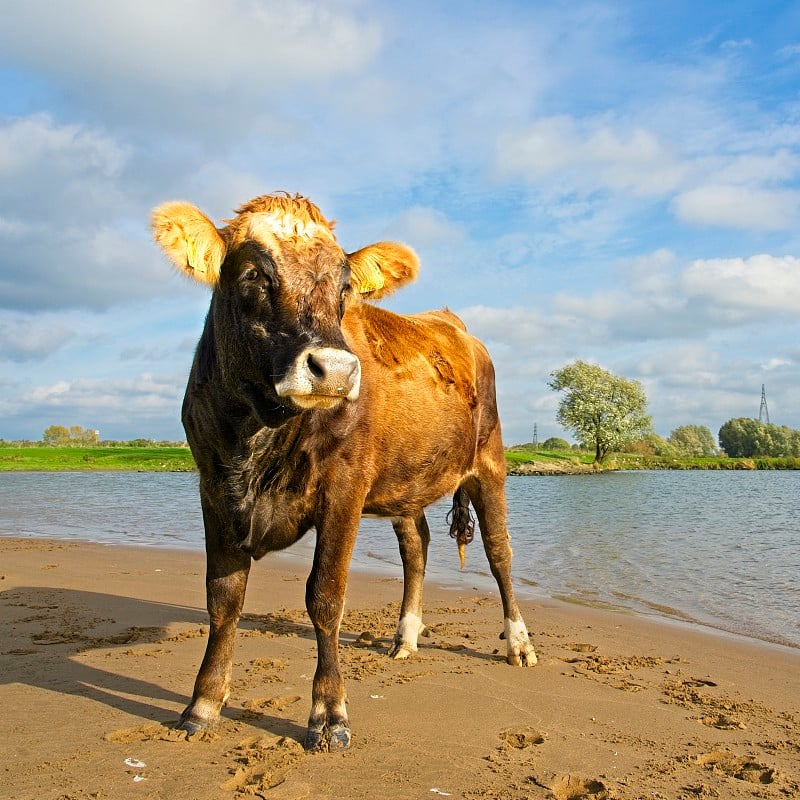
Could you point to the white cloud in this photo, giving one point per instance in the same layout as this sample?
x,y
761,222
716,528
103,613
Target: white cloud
x,y
725,178
129,54
757,285
661,299
142,395
682,367
590,155
67,149
776,363
70,236
516,326
52,170
143,405
24,338
90,268
427,227
739,206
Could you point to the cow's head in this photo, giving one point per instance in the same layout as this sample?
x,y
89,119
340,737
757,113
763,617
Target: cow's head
x,y
281,284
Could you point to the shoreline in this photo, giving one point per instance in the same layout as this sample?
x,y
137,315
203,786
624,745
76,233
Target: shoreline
x,y
520,460
106,641
480,581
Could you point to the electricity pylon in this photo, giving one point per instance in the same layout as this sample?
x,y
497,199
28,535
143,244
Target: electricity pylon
x,y
763,412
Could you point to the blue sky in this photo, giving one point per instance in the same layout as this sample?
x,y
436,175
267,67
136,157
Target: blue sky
x,y
612,181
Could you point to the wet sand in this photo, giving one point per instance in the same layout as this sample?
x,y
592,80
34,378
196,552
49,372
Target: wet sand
x,y
100,647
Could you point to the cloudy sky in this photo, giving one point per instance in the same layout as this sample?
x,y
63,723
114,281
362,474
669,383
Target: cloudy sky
x,y
612,181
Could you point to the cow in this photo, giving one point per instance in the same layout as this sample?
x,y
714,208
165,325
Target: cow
x,y
308,407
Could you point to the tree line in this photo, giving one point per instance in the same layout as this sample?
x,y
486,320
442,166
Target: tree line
x,y
743,437
607,413
77,436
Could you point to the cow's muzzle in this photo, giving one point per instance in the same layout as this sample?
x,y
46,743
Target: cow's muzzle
x,y
321,377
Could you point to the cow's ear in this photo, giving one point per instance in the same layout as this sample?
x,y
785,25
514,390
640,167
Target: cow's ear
x,y
379,269
190,240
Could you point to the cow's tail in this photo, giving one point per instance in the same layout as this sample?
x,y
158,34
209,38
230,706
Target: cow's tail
x,y
462,523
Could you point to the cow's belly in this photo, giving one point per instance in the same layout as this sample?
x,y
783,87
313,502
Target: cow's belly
x,y
408,497
276,523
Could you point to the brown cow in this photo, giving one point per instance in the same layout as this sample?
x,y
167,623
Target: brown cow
x,y
307,408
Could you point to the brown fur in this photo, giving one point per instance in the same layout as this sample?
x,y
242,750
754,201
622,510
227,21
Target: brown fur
x,y
420,423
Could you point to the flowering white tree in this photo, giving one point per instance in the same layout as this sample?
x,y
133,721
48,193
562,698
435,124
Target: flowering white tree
x,y
603,410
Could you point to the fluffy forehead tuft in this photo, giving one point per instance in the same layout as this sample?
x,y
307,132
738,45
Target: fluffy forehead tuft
x,y
285,216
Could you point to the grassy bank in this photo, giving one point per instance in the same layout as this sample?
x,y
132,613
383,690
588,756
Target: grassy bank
x,y
137,459
524,460
520,460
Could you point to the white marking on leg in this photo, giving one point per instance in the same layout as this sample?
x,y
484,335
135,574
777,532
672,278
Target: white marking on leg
x,y
409,629
405,640
520,650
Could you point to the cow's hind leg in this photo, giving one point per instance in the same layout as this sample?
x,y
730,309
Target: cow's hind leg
x,y
226,581
414,537
487,492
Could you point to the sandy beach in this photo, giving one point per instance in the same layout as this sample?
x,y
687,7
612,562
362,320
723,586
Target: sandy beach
x,y
100,647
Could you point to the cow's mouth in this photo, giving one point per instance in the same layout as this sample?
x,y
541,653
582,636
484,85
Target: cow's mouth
x,y
321,377
316,401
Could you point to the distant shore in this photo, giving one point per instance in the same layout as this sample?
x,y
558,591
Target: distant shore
x,y
520,460
42,458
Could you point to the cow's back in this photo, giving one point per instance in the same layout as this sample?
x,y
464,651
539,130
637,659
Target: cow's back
x,y
428,399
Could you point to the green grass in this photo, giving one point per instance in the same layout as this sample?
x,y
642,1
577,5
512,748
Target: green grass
x,y
522,455
525,454
138,459
179,459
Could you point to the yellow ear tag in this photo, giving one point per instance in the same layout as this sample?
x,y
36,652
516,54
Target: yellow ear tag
x,y
371,280
191,255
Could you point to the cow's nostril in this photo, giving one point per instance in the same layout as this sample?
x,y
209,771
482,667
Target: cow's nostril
x,y
315,367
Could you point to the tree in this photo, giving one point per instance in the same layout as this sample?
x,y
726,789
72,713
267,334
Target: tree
x,y
603,410
56,435
743,437
651,444
693,441
75,435
554,443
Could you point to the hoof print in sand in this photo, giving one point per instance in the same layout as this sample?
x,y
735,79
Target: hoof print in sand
x,y
279,703
262,766
742,768
520,737
573,787
723,722
158,733
580,647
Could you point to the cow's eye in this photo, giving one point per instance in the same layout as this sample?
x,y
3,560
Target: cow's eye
x,y
343,300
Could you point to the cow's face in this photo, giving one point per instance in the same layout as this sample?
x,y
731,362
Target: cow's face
x,y
281,284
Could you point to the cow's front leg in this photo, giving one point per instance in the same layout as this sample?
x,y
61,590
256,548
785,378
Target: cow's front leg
x,y
414,538
226,581
328,726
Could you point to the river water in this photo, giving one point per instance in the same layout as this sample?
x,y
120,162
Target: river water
x,y
719,549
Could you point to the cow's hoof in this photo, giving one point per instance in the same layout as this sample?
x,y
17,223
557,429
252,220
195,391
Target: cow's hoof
x,y
525,658
327,740
339,738
315,741
191,726
400,650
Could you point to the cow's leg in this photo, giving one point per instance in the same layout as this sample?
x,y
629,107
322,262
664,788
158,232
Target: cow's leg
x,y
226,580
328,726
487,492
414,537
